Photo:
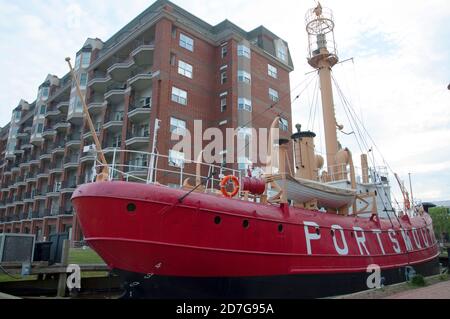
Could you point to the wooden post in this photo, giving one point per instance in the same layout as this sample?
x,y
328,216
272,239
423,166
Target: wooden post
x,y
62,282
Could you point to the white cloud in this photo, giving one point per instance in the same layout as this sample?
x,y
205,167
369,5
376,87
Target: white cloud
x,y
398,82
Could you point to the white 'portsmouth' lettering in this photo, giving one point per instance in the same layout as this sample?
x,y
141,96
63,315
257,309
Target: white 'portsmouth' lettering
x,y
406,239
378,233
424,236
340,250
394,241
361,240
310,236
416,238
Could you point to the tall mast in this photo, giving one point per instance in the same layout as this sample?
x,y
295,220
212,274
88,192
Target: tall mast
x,y
323,56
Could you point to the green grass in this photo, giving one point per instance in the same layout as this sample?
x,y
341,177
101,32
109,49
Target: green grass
x,y
86,257
76,256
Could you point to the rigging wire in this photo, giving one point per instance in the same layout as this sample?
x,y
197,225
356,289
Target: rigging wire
x,y
362,142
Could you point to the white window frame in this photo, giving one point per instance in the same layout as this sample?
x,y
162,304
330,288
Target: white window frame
x,y
176,159
177,126
244,51
223,77
145,102
272,71
224,51
85,59
186,42
273,95
223,104
83,84
282,53
185,69
179,96
284,124
245,104
244,77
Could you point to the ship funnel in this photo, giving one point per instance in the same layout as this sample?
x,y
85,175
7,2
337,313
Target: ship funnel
x,y
307,163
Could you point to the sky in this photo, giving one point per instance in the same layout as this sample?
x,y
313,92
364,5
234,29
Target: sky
x,y
396,83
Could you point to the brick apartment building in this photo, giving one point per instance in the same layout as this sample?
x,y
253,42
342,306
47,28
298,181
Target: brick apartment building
x,y
166,64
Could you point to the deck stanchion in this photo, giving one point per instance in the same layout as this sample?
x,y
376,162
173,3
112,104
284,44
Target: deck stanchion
x,y
62,281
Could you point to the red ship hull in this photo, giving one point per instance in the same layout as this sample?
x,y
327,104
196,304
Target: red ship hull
x,y
210,246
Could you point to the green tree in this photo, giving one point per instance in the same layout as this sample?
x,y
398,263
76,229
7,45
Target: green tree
x,y
441,221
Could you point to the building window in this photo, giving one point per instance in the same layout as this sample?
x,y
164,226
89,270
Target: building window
x,y
284,124
83,80
177,126
42,110
40,128
176,159
243,51
223,104
273,95
185,69
244,76
224,52
145,102
244,104
174,31
78,61
282,53
172,59
186,42
179,96
223,77
272,71
85,59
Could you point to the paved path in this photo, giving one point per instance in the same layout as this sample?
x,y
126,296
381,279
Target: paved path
x,y
437,291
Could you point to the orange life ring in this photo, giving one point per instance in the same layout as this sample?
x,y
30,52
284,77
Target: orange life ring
x,y
225,181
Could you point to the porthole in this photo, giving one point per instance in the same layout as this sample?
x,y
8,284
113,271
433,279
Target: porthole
x,y
246,224
217,220
280,228
131,207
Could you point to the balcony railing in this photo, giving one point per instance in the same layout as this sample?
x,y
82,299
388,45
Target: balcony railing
x,y
71,183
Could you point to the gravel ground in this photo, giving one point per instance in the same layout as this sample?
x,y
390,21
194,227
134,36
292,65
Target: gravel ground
x,y
437,291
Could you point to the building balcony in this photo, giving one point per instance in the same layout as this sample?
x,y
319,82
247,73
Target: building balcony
x,y
52,113
140,112
96,107
121,71
137,167
36,161
30,178
88,158
36,140
137,140
69,186
54,190
49,133
58,148
26,146
25,164
57,168
141,81
23,136
74,140
114,122
47,156
62,106
61,126
71,162
44,173
40,195
99,82
19,152
143,55
15,169
116,93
